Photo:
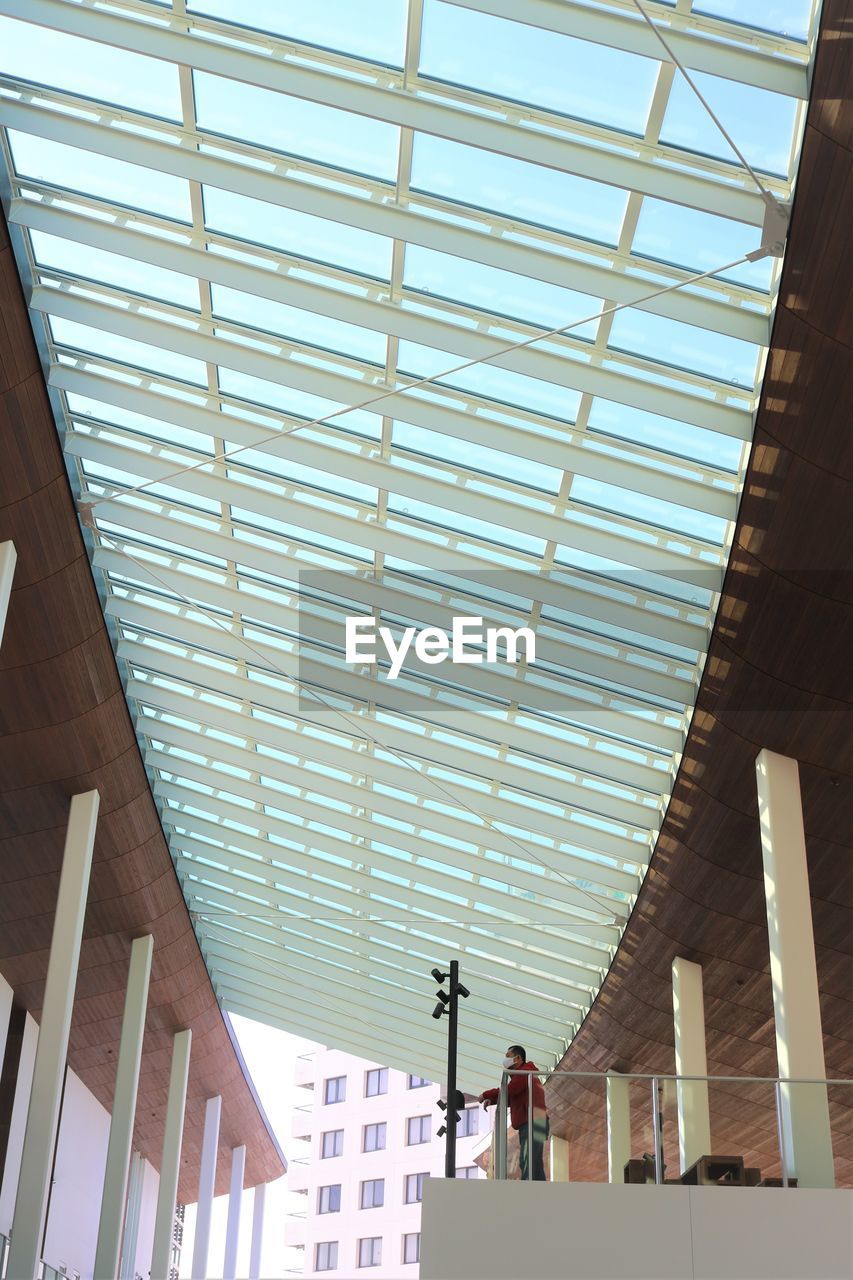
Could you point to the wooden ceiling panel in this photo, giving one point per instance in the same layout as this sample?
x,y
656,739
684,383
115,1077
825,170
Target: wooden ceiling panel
x,y
65,728
779,676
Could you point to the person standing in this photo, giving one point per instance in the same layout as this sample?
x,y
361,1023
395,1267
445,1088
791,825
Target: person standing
x,y
521,1097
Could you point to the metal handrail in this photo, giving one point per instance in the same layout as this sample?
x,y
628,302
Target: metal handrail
x,y
657,1080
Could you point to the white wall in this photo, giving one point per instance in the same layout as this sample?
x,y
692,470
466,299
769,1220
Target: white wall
x,y
81,1156
542,1231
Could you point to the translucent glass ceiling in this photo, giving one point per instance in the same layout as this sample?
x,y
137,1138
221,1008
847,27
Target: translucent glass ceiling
x,y
239,218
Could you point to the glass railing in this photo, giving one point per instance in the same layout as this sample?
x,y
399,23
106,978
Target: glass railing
x,y
626,1128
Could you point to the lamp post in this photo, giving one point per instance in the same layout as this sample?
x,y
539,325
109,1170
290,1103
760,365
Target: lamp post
x,y
449,1004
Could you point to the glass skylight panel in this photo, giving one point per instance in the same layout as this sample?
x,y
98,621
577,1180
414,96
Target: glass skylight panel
x,y
128,351
168,432
299,403
531,65
785,17
86,67
96,175
700,241
544,197
477,457
501,292
299,234
299,326
490,381
371,29
761,122
684,346
295,126
112,269
656,432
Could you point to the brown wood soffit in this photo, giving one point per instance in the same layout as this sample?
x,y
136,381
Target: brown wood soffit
x,y
779,675
65,728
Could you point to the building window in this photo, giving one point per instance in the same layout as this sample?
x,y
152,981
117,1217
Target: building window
x,y
374,1137
417,1130
470,1171
468,1123
370,1252
373,1193
417,1082
332,1144
415,1187
335,1089
329,1199
326,1256
376,1082
412,1247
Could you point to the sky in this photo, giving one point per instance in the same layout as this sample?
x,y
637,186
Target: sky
x,y
270,1057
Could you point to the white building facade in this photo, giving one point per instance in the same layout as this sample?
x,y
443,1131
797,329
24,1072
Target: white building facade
x,y
371,1138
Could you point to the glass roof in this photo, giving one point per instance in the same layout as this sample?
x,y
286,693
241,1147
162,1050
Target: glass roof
x,y
248,229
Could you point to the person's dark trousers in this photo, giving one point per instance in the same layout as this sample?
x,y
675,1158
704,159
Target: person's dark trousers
x,y
541,1130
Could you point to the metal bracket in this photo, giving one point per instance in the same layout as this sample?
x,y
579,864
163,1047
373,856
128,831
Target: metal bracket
x,y
774,232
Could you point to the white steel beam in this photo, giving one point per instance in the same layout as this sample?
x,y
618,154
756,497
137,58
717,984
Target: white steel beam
x,y
351,757
257,1246
282,698
633,608
34,1177
375,943
613,542
123,1110
164,1217
8,560
557,646
274,282
648,474
508,1002
235,1204
184,332
711,47
401,1012
282,889
206,1186
463,824
607,156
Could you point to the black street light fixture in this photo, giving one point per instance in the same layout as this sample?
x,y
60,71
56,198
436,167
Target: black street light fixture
x,y
449,1004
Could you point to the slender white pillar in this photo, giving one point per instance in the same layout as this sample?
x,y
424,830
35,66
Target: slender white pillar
x,y
257,1249
618,1128
130,1240
124,1110
688,1011
49,1071
235,1201
6,997
206,1182
8,559
793,970
164,1217
559,1170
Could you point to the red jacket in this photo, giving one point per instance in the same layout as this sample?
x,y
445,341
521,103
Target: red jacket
x,y
518,1092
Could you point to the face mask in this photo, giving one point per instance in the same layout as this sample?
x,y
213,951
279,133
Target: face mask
x,y
507,1062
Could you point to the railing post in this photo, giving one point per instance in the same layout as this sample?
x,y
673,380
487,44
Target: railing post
x,y
656,1131
780,1129
500,1128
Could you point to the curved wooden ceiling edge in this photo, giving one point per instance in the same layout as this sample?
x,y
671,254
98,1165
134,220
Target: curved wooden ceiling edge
x,y
64,728
778,676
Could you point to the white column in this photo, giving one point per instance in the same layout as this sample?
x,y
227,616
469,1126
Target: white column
x,y
235,1201
257,1250
559,1170
793,970
618,1128
130,1240
688,1011
206,1182
164,1217
124,1109
46,1092
6,997
8,559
